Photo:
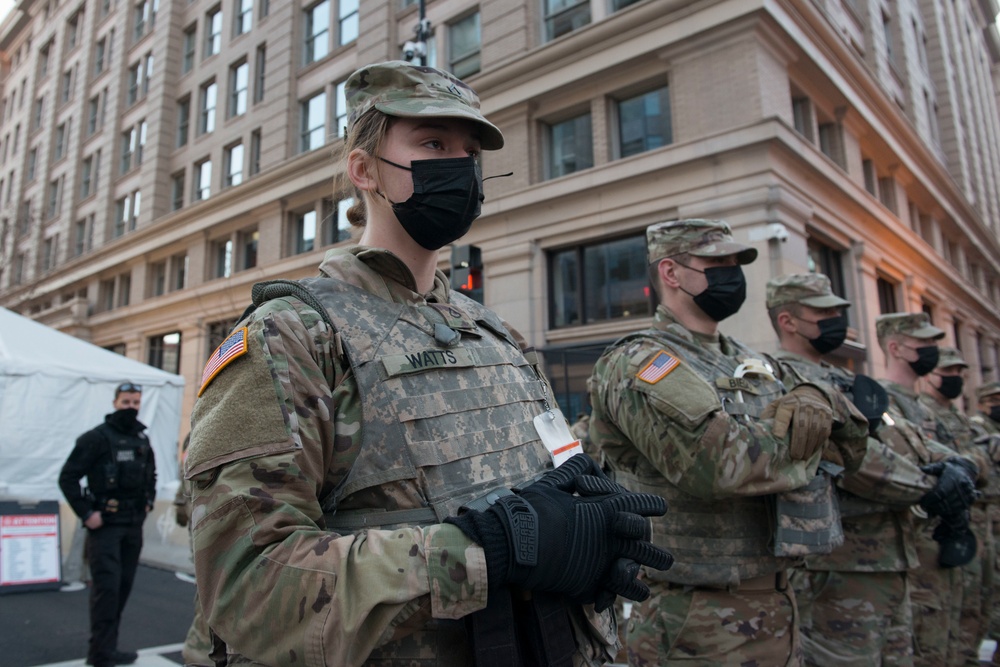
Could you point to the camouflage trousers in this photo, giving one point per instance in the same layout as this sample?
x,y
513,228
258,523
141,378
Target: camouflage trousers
x,y
967,611
932,589
991,575
198,643
701,627
854,619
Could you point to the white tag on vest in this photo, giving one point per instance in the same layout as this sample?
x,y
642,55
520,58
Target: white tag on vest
x,y
554,432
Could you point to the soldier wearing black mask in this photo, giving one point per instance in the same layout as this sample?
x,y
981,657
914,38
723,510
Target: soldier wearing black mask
x,y
117,460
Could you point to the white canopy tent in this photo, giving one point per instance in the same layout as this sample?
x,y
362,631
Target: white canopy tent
x,y
53,387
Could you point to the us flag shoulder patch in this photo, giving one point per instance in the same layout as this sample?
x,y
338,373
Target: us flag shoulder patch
x,y
659,368
233,347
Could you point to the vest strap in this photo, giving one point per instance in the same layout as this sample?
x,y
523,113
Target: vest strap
x,y
351,520
493,632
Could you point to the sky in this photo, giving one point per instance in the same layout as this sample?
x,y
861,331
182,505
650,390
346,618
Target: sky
x,y
5,6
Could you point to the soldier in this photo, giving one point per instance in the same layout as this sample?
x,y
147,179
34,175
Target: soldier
x,y
348,417
854,603
909,341
988,419
954,428
676,412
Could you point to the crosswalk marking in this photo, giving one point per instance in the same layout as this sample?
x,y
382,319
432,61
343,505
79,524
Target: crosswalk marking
x,y
148,657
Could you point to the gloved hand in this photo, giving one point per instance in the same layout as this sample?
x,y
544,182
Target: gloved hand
x,y
806,413
957,544
956,487
572,532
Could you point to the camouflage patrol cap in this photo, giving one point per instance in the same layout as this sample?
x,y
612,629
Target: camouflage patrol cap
x,y
701,238
809,289
950,356
988,389
915,325
397,88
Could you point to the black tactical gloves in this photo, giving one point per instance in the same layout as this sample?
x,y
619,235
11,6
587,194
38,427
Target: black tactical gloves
x,y
956,487
950,499
573,532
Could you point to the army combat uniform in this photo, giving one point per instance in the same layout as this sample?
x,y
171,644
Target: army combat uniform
x,y
671,419
956,430
991,495
323,461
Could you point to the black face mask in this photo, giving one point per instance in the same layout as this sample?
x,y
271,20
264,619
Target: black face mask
x,y
995,413
832,334
447,194
125,419
725,293
927,360
951,386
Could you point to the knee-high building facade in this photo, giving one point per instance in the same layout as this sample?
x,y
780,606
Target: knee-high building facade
x,y
158,157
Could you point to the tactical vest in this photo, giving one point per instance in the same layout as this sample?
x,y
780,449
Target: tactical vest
x,y
447,401
717,542
118,481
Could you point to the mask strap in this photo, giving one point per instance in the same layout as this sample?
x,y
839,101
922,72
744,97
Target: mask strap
x,y
394,165
509,173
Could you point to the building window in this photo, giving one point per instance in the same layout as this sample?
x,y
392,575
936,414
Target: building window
x,y
563,16
106,295
265,8
134,80
312,132
183,121
190,40
223,258
317,31
886,296
32,164
123,210
336,227
830,262
206,121
464,42
202,180
890,47
600,282
802,117
93,114
67,85
255,152
86,177
177,191
887,193
158,279
54,190
234,165
62,137
79,238
99,49
340,112
260,65
49,250
213,32
43,61
147,73
570,146
304,232
36,121
871,177
348,21
831,141
239,81
244,17
128,148
178,271
644,122
165,352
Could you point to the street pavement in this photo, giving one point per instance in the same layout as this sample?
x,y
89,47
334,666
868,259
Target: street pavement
x,y
50,628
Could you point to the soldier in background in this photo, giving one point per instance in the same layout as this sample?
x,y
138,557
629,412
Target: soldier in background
x,y
581,431
988,419
348,418
955,429
909,342
854,603
676,413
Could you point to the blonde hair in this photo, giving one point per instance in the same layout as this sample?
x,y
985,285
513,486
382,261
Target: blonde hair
x,y
367,134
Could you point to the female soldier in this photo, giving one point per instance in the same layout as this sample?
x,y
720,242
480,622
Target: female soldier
x,y
348,418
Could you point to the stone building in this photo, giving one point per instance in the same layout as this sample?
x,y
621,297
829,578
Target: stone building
x,y
158,158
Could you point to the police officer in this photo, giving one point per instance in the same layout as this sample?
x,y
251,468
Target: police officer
x,y
686,412
117,460
954,428
854,602
910,344
348,419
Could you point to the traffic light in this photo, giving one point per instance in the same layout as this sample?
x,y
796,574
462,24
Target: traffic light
x,y
467,271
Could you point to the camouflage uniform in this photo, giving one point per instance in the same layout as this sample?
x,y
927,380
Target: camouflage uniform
x,y
956,430
932,587
350,416
691,438
854,603
991,494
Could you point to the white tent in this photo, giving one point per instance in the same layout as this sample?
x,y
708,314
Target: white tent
x,y
53,387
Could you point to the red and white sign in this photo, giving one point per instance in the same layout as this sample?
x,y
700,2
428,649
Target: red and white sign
x,y
29,549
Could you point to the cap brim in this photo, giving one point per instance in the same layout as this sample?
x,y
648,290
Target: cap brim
x,y
828,301
744,254
490,140
928,332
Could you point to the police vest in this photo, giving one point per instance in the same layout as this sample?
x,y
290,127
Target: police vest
x,y
447,402
717,542
118,480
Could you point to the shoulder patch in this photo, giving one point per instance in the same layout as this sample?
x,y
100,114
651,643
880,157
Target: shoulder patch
x,y
659,368
233,347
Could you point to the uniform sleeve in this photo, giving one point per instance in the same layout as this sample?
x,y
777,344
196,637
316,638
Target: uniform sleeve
x,y
268,433
83,457
887,477
680,427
